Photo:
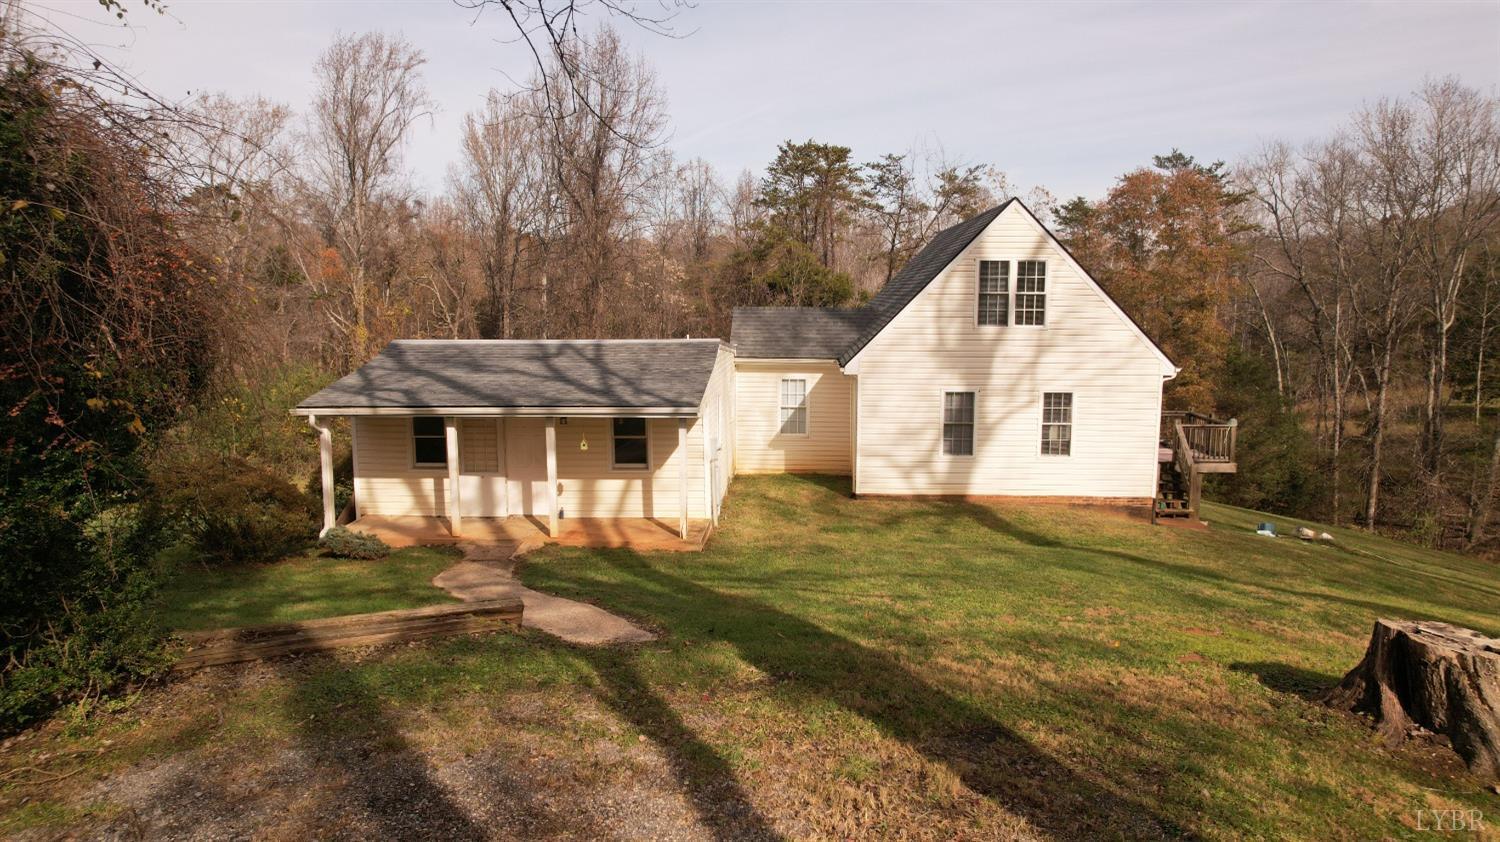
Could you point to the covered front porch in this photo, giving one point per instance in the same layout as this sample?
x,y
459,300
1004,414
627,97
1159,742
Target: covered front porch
x,y
633,533
598,443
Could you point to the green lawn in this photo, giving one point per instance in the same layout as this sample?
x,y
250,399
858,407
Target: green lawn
x,y
832,668
302,588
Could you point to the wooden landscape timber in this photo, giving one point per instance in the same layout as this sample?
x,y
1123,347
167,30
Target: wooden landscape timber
x,y
1441,677
251,643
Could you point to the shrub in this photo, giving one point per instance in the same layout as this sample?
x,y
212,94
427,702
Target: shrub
x,y
346,543
245,415
230,510
102,635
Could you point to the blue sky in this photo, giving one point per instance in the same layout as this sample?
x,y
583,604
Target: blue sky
x,y
1063,95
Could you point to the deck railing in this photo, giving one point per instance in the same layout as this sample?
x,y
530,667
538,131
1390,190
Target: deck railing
x,y
1200,444
1208,438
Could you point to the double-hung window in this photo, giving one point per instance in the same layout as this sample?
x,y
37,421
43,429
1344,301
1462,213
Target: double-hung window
x,y
630,451
1031,292
994,291
429,443
1057,423
958,423
793,406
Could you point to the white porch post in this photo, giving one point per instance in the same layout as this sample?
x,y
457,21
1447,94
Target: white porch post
x,y
682,478
455,505
552,476
325,461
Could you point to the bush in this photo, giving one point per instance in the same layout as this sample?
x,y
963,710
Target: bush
x,y
246,416
231,511
102,635
346,543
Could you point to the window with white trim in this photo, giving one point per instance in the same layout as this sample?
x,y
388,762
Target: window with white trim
x,y
1057,423
631,450
793,406
958,423
429,443
994,291
1031,292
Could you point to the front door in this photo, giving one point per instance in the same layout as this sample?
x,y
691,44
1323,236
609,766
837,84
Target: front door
x,y
526,465
481,475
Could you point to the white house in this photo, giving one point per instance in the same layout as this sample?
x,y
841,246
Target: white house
x,y
991,365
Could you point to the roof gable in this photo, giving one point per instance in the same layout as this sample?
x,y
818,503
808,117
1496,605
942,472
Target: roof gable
x,y
908,296
918,272
841,334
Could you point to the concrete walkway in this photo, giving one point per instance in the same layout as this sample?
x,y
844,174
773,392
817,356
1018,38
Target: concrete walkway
x,y
487,573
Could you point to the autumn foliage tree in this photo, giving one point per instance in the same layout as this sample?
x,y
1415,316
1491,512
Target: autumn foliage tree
x,y
1165,243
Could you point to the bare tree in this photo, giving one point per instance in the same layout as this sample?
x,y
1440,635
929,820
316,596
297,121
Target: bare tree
x,y
1457,160
499,186
369,94
552,31
1302,202
600,159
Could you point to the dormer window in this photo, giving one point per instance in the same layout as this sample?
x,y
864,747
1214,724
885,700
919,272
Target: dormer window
x,y
994,291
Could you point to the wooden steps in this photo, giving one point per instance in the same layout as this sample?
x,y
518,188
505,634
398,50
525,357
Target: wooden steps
x,y
1192,444
252,643
1172,500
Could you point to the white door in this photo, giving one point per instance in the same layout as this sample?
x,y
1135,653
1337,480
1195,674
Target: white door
x,y
526,465
481,475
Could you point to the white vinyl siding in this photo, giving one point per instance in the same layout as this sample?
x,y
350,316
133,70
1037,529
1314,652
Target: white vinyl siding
x,y
387,483
793,406
1088,349
761,447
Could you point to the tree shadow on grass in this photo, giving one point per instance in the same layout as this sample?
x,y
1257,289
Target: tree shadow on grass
x,y
388,791
991,759
1308,685
1186,570
721,803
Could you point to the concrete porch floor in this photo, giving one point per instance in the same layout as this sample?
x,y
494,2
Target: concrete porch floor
x,y
636,533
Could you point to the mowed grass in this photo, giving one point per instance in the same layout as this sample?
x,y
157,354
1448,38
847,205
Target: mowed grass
x,y
838,668
302,588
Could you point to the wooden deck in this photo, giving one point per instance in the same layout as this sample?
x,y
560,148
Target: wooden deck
x,y
1192,445
636,533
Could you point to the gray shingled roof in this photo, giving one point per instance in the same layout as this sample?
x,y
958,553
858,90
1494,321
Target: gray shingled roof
x,y
512,374
829,334
812,333
917,274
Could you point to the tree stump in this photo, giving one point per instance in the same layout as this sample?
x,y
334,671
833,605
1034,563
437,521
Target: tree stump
x,y
1441,677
